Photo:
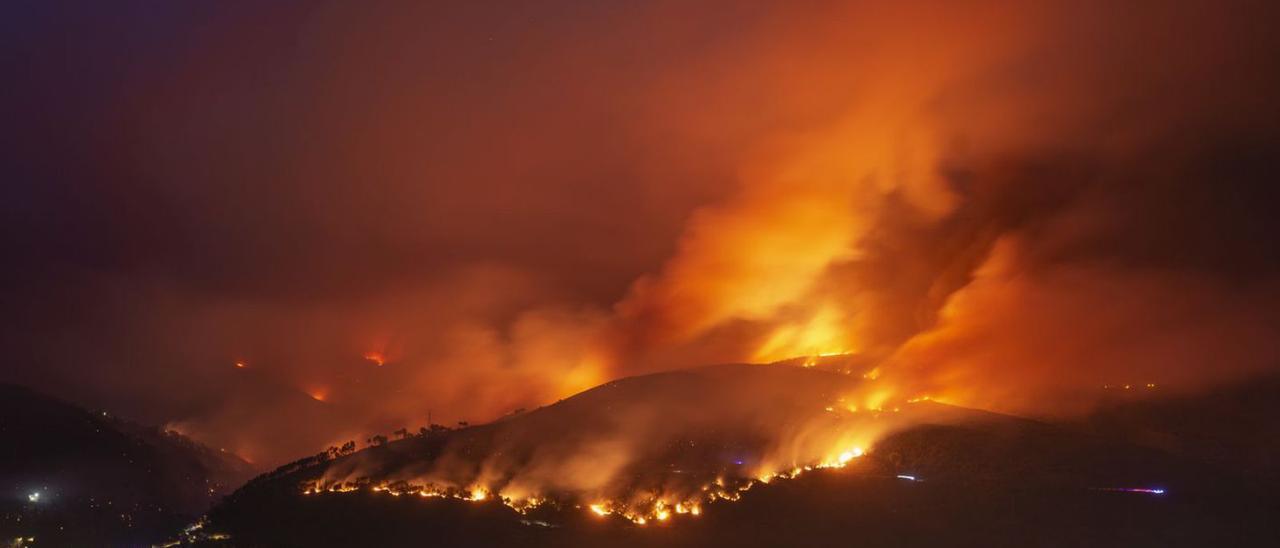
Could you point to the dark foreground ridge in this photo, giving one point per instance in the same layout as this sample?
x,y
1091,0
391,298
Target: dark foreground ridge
x,y
71,477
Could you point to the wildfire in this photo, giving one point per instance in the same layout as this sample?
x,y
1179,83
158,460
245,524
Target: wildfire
x,y
822,335
813,359
377,358
640,511
849,422
850,455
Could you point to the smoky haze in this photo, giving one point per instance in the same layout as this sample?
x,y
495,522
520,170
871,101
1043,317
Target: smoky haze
x,y
464,210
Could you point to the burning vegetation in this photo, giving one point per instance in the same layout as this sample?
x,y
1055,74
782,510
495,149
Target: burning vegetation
x,y
647,449
993,204
757,453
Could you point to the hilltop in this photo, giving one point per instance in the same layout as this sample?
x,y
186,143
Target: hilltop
x,y
934,470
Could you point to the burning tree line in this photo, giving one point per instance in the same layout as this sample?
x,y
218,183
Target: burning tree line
x,y
334,452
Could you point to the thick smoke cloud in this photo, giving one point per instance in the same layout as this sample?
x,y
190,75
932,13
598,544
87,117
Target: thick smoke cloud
x,y
1008,205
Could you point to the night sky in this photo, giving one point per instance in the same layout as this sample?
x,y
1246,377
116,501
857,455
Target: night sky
x,y
467,208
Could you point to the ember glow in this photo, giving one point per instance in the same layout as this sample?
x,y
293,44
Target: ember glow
x,y
639,509
631,262
606,453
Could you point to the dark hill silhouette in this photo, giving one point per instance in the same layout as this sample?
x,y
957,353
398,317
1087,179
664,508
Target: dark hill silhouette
x,y
1234,427
71,477
980,479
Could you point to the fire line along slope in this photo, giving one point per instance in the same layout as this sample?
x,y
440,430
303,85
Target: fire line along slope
x,y
757,454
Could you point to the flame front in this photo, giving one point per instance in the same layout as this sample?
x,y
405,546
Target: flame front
x,y
630,470
640,509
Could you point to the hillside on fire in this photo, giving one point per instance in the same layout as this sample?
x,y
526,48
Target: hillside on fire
x,y
582,273
752,456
